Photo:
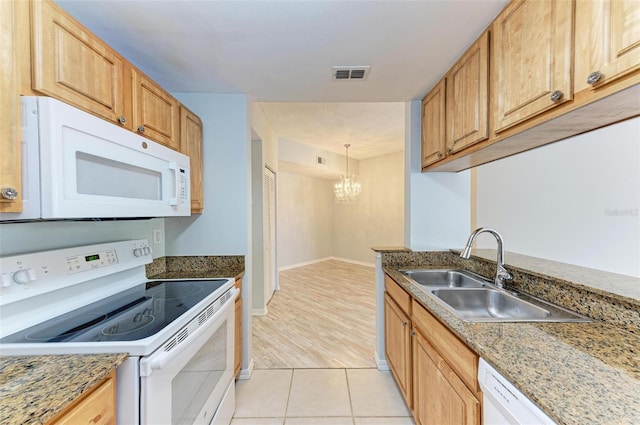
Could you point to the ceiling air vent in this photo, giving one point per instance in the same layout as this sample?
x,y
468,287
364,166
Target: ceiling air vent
x,y
350,72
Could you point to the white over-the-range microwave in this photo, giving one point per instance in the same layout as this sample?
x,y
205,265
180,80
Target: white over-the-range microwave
x,y
78,166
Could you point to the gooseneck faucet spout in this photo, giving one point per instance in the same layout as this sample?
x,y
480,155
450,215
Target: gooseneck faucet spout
x,y
501,273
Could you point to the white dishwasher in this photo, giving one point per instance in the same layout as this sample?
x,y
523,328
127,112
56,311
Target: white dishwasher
x,y
504,404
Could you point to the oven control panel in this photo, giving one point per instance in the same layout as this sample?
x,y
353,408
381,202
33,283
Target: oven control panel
x,y
80,263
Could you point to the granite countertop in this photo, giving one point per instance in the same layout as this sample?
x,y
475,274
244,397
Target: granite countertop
x,y
34,389
196,267
578,373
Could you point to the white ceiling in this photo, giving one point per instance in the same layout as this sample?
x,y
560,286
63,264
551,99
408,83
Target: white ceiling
x,y
282,51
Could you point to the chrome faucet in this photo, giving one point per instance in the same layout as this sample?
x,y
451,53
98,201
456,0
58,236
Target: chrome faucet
x,y
501,273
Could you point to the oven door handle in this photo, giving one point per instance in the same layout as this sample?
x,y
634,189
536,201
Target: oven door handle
x,y
160,360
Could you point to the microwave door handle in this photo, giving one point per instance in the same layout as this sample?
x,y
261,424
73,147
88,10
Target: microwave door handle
x,y
167,356
176,177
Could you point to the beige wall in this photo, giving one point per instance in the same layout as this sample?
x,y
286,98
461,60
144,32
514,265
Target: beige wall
x,y
305,218
377,219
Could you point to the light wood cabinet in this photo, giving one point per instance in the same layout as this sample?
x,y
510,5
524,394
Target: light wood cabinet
x,y
397,331
96,407
71,64
191,145
433,125
532,59
238,330
440,395
156,113
467,104
10,149
607,42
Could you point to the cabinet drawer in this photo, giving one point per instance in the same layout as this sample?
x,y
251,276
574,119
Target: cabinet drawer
x,y
97,408
399,295
460,357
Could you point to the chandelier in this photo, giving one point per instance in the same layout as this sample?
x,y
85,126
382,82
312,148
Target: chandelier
x,y
347,189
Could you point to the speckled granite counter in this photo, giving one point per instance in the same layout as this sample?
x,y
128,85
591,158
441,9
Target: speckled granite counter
x,y
578,373
198,267
33,389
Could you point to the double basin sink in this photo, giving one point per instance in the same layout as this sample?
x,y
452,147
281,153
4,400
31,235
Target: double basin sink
x,y
473,298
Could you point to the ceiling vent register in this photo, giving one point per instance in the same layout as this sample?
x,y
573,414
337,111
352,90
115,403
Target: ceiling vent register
x,y
344,73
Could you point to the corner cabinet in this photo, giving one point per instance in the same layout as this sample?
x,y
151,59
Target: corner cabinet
x,y
96,407
191,145
532,58
433,125
238,330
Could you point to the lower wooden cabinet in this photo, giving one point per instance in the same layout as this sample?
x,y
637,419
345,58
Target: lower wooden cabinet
x,y
440,396
238,330
96,407
397,330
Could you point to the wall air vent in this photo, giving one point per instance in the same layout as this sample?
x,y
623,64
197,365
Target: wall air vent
x,y
350,72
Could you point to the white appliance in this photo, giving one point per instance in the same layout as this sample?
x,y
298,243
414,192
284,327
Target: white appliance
x,y
179,334
76,165
504,404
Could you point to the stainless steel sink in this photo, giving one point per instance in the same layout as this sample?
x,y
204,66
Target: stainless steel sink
x,y
493,305
444,278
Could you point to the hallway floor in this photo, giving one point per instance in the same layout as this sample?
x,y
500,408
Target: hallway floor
x,y
314,354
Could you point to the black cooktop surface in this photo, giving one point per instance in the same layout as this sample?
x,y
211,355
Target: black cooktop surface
x,y
128,316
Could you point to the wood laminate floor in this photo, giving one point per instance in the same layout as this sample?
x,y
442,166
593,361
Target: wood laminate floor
x,y
323,316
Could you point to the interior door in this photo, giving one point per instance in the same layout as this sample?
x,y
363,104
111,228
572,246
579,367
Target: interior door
x,y
269,229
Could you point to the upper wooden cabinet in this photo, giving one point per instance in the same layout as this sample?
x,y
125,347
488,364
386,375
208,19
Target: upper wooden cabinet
x,y
607,41
467,115
10,148
156,112
433,125
532,58
71,64
191,145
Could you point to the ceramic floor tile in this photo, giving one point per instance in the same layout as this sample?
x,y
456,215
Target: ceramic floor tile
x,y
264,395
257,421
318,421
319,392
374,393
383,421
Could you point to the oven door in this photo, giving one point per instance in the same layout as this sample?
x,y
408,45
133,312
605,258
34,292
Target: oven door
x,y
184,381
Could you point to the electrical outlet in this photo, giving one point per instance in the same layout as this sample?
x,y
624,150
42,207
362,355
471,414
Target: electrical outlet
x,y
157,236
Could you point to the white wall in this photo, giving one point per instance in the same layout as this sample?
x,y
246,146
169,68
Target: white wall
x,y
437,205
16,238
223,227
377,218
576,201
305,218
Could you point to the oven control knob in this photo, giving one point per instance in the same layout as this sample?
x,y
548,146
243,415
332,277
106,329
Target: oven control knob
x,y
24,276
137,252
146,250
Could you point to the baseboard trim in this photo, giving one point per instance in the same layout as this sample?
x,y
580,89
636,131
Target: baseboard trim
x,y
348,260
259,311
246,373
381,362
306,263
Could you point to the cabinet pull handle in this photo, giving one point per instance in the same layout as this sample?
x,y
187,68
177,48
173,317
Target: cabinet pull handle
x,y
141,129
122,119
9,193
594,77
556,95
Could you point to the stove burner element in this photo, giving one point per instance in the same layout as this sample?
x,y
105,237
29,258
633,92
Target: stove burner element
x,y
66,326
128,324
173,291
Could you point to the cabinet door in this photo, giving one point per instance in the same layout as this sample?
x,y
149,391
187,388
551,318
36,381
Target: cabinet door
x,y
440,397
96,408
607,41
191,145
156,112
532,65
73,65
468,97
10,149
433,125
397,333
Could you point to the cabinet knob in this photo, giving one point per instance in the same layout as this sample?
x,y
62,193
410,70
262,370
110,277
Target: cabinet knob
x,y
556,95
449,150
122,119
594,77
9,193
141,129
404,323
439,154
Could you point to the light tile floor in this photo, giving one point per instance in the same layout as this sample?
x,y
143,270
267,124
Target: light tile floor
x,y
320,397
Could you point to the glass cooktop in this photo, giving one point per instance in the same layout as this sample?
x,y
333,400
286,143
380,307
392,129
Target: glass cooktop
x,y
132,315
